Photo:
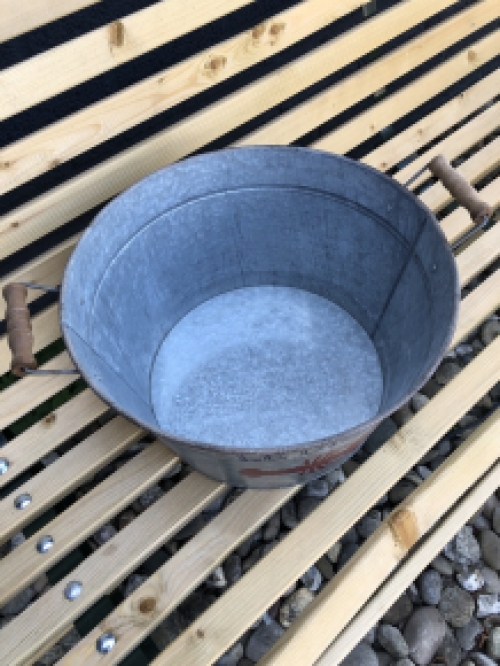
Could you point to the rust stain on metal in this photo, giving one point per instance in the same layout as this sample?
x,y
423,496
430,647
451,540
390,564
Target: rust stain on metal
x,y
404,528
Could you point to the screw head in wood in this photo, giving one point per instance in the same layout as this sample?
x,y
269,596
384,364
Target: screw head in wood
x,y
4,466
73,590
45,544
22,501
105,643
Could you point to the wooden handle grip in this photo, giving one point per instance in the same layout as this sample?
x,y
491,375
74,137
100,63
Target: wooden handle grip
x,y
460,188
19,333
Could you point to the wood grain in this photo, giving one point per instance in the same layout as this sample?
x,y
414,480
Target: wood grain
x,y
425,552
94,509
100,183
179,576
431,126
379,556
80,59
476,307
21,17
57,143
29,392
65,474
46,435
106,568
293,124
480,254
217,629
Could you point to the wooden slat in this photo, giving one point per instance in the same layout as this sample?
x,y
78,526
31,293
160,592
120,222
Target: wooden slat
x,y
179,576
85,57
478,255
464,138
46,329
458,222
100,183
89,127
477,306
377,558
475,168
49,433
47,269
21,17
404,144
292,125
106,568
393,107
217,629
65,474
28,393
411,568
84,517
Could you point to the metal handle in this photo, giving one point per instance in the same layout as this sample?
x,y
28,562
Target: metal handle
x,y
19,331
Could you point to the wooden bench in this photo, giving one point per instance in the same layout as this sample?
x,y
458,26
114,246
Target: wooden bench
x,y
391,87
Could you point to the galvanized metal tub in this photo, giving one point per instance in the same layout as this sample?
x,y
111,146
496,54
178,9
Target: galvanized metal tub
x,y
261,309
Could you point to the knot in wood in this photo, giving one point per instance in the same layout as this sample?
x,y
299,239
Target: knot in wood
x,y
50,419
215,64
276,29
404,528
147,605
258,31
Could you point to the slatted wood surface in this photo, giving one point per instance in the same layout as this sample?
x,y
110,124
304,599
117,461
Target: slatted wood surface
x,y
318,73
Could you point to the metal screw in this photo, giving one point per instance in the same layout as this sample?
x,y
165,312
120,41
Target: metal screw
x,y
4,465
73,590
105,643
22,501
45,544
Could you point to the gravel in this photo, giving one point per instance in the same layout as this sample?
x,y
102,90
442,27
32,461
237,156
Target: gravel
x,y
463,548
262,639
456,606
424,633
494,643
362,655
431,586
399,611
294,605
490,547
392,640
466,635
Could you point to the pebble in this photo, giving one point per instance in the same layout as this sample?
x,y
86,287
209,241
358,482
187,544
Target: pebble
x,y
369,523
133,582
217,579
482,660
263,638
472,581
446,372
232,569
312,579
19,602
487,604
247,545
401,491
419,401
480,522
333,553
57,651
423,471
404,662
431,586
414,594
463,548
147,498
349,467
362,655
104,534
466,635
335,478
272,528
325,568
449,651
371,635
490,547
317,488
495,520
306,506
456,606
430,389
489,506
294,606
491,581
442,565
351,536
403,415
489,331
424,633
168,630
125,518
384,659
232,656
494,643
348,551
289,515
191,529
380,436
248,562
392,640
400,610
